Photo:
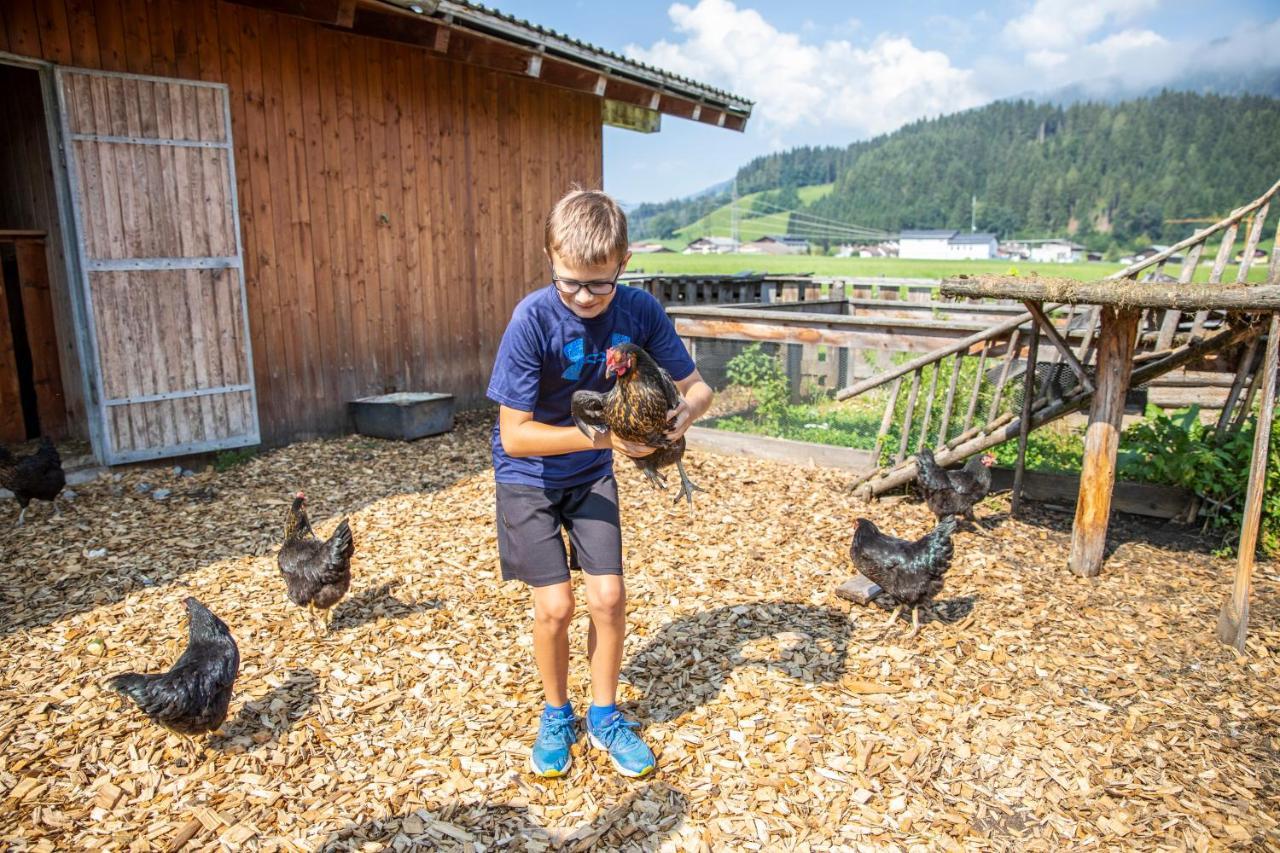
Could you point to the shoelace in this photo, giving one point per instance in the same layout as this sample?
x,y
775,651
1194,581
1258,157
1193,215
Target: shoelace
x,y
557,729
617,727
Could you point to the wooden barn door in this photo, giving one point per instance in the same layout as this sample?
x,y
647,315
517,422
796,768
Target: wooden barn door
x,y
152,178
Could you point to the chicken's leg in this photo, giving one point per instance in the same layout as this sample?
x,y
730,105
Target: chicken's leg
x,y
22,517
687,488
892,619
915,622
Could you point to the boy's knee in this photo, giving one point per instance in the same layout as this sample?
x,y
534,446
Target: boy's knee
x,y
607,600
554,612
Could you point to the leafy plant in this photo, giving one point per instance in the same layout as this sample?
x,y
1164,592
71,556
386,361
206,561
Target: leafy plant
x,y
228,459
1181,450
763,373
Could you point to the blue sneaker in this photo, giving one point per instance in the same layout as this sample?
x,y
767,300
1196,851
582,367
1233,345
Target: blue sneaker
x,y
630,756
550,756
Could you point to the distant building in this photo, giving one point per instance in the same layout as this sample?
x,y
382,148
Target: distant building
x,y
711,246
1153,250
647,248
777,244
1055,251
1258,255
946,245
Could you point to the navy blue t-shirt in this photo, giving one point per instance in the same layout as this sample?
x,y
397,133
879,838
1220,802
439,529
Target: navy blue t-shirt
x,y
548,352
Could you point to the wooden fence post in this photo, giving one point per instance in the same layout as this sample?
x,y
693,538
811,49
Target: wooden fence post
x,y
1116,340
1233,620
1024,424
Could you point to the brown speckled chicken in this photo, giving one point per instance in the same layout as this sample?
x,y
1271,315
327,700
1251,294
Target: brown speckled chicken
x,y
316,574
35,477
635,409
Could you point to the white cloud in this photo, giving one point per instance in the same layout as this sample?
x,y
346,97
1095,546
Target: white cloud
x,y
850,90
1058,24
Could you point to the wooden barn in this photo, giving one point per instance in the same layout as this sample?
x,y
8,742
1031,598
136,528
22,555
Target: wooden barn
x,y
220,221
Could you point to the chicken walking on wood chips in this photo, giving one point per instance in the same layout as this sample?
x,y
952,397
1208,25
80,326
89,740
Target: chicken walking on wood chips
x,y
192,698
909,572
38,476
316,573
635,409
953,492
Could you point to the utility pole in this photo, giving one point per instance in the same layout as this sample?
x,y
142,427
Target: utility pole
x,y
973,214
733,215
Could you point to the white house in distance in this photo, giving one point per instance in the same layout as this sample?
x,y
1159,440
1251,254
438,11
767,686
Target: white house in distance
x,y
711,246
777,244
1054,251
946,245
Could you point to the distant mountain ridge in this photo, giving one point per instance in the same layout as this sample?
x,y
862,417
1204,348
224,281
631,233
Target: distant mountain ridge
x,y
1109,174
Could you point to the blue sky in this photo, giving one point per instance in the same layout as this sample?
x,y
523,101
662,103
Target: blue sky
x,y
830,72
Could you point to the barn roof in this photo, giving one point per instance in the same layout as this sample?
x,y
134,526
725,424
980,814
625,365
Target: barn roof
x,y
480,35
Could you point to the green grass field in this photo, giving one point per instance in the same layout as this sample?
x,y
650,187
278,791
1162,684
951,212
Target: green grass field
x,y
720,220
678,264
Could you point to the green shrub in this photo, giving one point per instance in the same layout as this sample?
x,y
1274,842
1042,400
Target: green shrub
x,y
228,459
1178,449
763,373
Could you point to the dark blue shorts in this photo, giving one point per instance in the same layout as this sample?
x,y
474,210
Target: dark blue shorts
x,y
530,520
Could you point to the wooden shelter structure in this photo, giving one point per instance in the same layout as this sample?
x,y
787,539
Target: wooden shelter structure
x,y
252,212
1103,338
1121,307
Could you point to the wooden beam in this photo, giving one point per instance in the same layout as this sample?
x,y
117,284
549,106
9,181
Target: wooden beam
x,y
1056,339
441,42
1259,297
391,26
534,68
1024,428
1116,340
322,11
602,83
346,13
1233,621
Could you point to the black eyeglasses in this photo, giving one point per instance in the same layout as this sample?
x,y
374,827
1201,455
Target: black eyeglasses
x,y
570,286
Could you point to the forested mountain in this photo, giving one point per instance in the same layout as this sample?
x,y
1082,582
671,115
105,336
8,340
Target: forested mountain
x,y
1109,174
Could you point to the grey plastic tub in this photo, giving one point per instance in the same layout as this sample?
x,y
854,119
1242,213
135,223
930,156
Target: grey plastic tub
x,y
405,415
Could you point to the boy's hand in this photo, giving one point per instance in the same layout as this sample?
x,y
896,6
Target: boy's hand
x,y
679,420
608,441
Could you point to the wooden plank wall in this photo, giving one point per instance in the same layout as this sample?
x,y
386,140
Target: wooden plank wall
x,y
391,202
28,202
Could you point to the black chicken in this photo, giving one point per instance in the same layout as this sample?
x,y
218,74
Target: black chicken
x,y
635,409
192,697
38,476
953,492
909,572
316,574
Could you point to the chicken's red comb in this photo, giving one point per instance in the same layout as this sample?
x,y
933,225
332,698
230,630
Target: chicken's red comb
x,y
301,495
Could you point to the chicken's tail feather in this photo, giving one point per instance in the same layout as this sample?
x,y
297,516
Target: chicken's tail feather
x,y
939,542
128,684
931,475
341,545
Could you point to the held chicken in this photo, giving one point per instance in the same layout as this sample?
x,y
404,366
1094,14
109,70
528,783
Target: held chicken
x,y
192,698
635,409
35,477
953,492
909,572
316,573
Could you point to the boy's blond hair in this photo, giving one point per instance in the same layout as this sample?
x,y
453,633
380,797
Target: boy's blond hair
x,y
586,228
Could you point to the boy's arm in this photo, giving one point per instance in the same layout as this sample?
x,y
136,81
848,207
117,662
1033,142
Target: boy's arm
x,y
523,436
695,398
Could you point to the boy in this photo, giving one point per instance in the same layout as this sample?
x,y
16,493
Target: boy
x,y
552,477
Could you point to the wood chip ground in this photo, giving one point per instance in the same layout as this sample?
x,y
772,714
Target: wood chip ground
x,y
1040,711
